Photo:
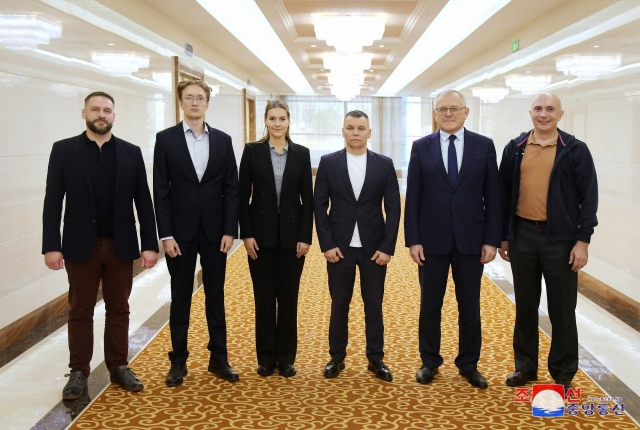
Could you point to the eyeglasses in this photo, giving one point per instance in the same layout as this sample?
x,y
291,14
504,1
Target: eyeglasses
x,y
453,110
197,99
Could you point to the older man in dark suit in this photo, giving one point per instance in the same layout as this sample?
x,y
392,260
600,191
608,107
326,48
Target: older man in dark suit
x,y
99,177
195,185
356,182
452,219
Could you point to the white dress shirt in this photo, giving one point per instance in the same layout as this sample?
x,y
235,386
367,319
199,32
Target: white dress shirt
x,y
357,167
198,148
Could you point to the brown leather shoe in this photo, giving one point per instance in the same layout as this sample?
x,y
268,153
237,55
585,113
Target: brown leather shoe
x,y
517,378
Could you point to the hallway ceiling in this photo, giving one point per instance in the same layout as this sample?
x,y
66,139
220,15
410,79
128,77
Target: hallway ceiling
x,y
487,48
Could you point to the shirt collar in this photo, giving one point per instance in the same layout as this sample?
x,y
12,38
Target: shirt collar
x,y
186,127
532,140
272,148
445,136
88,140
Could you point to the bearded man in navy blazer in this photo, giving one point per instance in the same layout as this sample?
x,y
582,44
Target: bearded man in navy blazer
x,y
99,177
195,187
355,183
452,219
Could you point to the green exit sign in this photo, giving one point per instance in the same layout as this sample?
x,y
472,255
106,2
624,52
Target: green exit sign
x,y
515,45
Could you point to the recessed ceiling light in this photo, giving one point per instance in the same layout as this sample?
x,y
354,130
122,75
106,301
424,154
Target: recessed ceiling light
x,y
380,46
110,44
596,46
528,71
313,46
322,70
371,70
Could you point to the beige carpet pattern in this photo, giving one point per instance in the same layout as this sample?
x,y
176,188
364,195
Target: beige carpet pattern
x,y
354,400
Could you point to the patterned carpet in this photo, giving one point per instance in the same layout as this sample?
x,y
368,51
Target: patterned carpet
x,y
354,400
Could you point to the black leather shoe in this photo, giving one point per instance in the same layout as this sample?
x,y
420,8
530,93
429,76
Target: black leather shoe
x,y
223,370
125,377
287,370
425,374
333,368
75,386
381,370
475,378
566,384
517,378
175,375
266,370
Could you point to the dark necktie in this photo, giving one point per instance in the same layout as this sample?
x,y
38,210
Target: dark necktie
x,y
452,170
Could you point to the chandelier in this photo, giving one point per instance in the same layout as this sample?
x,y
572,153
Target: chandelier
x,y
588,67
490,94
528,84
347,73
120,64
22,32
349,33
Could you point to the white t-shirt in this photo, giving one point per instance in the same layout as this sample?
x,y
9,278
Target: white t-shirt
x,y
357,166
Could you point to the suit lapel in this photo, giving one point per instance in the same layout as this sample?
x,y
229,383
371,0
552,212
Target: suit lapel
x,y
289,167
213,148
436,154
183,150
467,155
83,162
265,159
344,171
120,161
372,164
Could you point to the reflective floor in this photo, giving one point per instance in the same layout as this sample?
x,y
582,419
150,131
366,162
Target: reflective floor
x,y
32,382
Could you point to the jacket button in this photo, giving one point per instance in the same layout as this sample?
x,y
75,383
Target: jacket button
x,y
93,221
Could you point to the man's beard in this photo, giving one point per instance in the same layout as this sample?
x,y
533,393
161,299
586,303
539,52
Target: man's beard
x,y
99,130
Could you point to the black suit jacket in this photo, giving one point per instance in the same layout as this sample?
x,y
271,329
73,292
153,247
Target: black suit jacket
x,y
182,201
68,176
335,229
437,213
258,200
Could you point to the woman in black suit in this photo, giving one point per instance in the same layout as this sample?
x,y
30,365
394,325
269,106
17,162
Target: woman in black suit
x,y
276,222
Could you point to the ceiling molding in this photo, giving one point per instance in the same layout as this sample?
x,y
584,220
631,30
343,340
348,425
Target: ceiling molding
x,y
286,19
413,19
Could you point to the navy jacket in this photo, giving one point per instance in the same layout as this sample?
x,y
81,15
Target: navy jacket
x,y
572,200
69,178
438,213
259,217
182,202
333,188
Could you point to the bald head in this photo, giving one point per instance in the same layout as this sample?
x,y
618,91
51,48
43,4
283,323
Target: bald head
x,y
546,111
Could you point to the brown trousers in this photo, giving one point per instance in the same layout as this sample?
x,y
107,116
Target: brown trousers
x,y
116,275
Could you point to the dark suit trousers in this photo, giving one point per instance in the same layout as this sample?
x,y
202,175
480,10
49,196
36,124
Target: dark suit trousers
x,y
276,283
182,269
532,256
116,275
467,273
342,276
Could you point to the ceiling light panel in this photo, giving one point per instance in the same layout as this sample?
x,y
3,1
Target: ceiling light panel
x,y
490,94
528,84
246,22
455,22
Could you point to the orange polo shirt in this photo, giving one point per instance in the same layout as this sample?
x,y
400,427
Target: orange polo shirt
x,y
535,173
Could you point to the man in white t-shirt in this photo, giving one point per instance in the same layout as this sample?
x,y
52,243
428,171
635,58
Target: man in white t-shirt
x,y
355,183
